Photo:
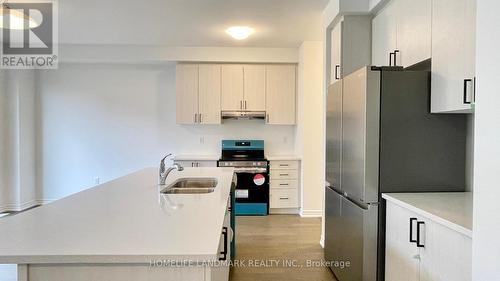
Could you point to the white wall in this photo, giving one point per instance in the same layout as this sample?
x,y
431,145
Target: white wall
x,y
486,245
17,128
105,121
310,137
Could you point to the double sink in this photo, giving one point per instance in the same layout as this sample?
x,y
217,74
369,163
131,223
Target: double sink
x,y
191,186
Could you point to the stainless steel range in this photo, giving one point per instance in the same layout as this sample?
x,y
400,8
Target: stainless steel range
x,y
252,170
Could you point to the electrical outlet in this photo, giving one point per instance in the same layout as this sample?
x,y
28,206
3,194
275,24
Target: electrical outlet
x,y
97,180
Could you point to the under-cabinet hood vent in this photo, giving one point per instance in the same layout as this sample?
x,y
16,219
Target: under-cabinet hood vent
x,y
244,115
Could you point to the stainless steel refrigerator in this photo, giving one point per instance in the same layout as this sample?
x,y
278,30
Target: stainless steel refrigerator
x,y
380,137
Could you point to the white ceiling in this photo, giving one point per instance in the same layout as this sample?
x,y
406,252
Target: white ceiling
x,y
278,23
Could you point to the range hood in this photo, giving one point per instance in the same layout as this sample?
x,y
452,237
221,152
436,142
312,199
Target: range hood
x,y
244,115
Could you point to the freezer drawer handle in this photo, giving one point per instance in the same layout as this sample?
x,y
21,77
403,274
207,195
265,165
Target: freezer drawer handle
x,y
411,230
224,252
420,245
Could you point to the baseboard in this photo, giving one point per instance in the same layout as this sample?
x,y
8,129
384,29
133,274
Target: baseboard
x,y
284,211
11,207
311,213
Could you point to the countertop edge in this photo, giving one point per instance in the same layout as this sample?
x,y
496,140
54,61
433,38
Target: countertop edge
x,y
104,259
452,225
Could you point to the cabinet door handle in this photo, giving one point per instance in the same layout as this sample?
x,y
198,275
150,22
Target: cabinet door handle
x,y
245,104
337,70
224,252
466,82
419,244
411,230
396,57
199,118
390,58
267,118
195,118
241,104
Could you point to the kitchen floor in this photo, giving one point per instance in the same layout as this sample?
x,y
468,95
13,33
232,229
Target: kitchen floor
x,y
284,239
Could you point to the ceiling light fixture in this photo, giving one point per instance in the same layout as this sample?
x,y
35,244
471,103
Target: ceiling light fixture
x,y
240,32
15,18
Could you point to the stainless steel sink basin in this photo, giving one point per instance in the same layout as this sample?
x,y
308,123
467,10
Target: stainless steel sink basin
x,y
191,186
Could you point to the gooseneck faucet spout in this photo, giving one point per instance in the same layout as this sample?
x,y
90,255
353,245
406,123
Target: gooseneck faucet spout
x,y
163,174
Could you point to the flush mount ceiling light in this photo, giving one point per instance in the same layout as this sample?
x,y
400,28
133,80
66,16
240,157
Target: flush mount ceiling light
x,y
240,32
15,18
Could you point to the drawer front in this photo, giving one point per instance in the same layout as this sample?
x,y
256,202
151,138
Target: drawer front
x,y
284,184
284,198
294,165
284,174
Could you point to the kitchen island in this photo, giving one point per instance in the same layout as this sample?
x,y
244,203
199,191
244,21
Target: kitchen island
x,y
125,229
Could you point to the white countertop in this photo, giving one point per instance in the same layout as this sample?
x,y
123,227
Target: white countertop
x,y
283,158
122,221
216,157
451,209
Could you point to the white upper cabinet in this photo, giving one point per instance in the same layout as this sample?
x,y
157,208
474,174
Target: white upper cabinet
x,y
402,33
203,91
453,55
232,87
414,31
350,46
209,94
281,94
254,87
384,35
187,93
198,94
336,53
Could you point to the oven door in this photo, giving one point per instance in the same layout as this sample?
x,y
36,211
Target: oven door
x,y
252,191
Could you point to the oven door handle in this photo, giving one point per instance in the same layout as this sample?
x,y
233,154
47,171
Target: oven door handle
x,y
250,170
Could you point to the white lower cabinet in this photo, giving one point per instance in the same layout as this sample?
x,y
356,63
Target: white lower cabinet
x,y
420,249
284,187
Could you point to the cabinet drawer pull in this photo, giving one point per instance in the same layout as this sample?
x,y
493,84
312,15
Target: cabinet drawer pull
x,y
284,198
284,165
284,175
284,184
466,82
419,244
411,230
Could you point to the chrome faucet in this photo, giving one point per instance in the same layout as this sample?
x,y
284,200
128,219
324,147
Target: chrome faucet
x,y
163,174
